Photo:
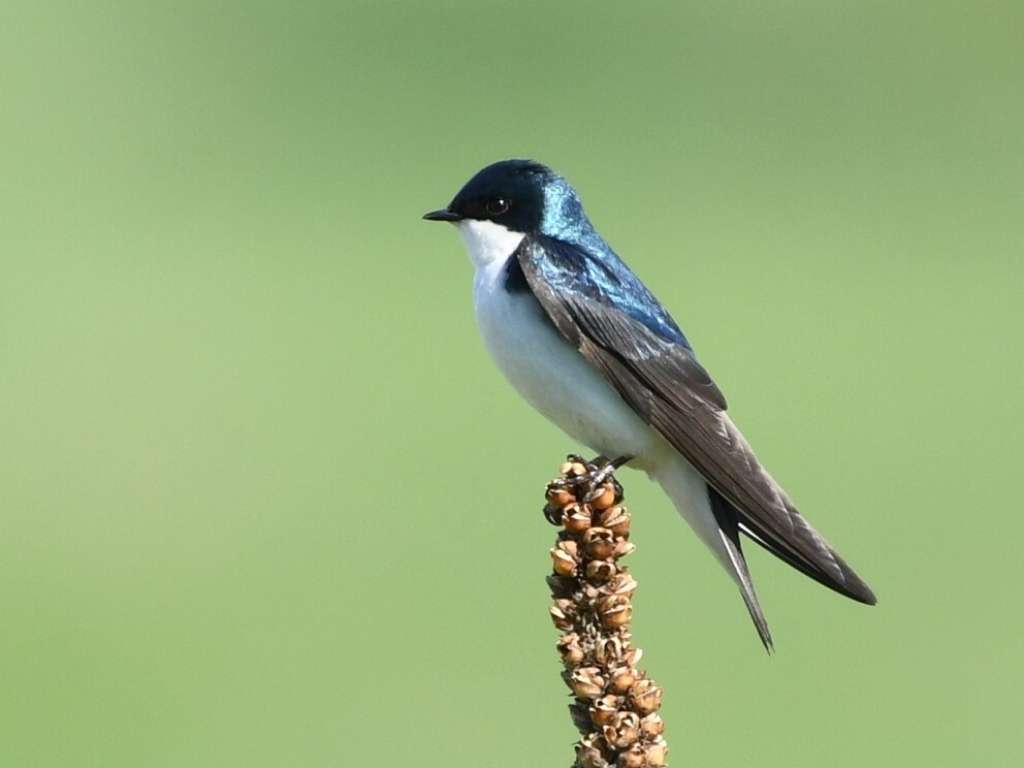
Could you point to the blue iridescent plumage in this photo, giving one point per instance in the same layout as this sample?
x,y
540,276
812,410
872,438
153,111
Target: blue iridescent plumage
x,y
580,260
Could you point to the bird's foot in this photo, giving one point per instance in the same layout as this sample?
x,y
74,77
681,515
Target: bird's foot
x,y
585,481
589,478
603,468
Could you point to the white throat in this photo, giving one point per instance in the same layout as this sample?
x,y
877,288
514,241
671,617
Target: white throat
x,y
488,243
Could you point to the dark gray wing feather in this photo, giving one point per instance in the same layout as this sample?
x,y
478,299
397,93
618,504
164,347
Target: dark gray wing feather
x,y
663,382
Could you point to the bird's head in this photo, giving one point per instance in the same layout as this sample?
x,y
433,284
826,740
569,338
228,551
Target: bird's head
x,y
508,200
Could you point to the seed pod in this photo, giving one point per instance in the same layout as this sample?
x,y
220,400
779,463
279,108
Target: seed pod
x,y
599,543
589,593
603,710
601,497
615,611
652,726
563,562
588,754
609,651
558,496
587,682
623,731
645,696
564,557
623,584
570,650
563,612
623,548
615,519
622,679
575,518
600,570
656,753
633,757
631,657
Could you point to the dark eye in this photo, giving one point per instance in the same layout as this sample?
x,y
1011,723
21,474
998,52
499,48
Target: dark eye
x,y
497,206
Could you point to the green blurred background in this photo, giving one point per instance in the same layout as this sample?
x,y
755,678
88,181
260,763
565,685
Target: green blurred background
x,y
264,501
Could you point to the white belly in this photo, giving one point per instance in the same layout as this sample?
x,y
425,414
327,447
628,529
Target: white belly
x,y
556,380
553,376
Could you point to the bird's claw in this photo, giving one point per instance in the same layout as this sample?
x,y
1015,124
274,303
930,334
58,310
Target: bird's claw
x,y
585,480
603,468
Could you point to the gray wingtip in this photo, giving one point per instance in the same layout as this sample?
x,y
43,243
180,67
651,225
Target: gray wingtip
x,y
854,587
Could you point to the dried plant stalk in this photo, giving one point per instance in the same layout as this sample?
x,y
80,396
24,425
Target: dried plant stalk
x,y
615,704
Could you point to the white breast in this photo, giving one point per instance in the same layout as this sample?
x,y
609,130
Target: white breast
x,y
549,373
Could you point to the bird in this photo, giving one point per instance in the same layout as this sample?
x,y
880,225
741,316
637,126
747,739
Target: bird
x,y
585,343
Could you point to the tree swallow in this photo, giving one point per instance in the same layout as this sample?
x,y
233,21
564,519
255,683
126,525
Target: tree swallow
x,y
584,341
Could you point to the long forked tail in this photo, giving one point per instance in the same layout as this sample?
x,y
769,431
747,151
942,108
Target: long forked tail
x,y
713,519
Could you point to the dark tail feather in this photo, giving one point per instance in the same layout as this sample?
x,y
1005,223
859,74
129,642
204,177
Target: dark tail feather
x,y
728,530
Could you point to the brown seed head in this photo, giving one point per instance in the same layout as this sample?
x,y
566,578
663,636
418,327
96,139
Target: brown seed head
x,y
633,757
599,543
622,679
575,518
563,563
645,696
623,584
623,548
558,495
570,649
601,497
588,753
656,753
616,519
652,725
600,570
603,710
563,612
590,592
569,545
587,682
631,658
623,731
615,611
615,704
609,651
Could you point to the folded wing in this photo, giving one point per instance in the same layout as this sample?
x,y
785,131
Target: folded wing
x,y
659,376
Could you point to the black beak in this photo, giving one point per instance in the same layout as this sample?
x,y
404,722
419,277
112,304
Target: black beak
x,y
442,214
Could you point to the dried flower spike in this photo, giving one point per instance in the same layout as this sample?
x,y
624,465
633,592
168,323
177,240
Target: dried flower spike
x,y
614,705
